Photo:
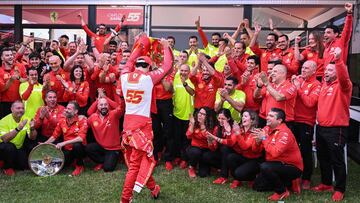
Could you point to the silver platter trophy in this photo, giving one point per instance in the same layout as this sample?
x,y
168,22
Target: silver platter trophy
x,y
46,160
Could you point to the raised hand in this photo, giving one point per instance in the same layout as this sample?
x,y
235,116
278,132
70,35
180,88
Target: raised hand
x,y
271,24
44,112
349,7
164,42
197,22
257,28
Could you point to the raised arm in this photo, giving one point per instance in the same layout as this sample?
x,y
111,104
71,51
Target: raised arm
x,y
271,26
201,33
159,73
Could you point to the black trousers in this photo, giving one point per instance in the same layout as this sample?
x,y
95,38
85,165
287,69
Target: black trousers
x,y
76,154
330,142
16,158
279,174
242,168
162,127
196,157
181,143
304,135
5,109
218,159
109,158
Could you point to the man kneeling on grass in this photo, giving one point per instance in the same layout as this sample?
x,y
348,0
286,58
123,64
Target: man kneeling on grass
x,y
73,128
283,165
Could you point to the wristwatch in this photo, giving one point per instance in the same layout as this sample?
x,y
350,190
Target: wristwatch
x,y
185,84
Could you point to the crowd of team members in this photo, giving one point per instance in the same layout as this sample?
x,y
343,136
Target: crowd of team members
x,y
246,111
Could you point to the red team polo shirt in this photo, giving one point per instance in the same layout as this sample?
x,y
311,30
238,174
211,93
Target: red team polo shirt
x,y
287,105
70,131
279,144
306,101
334,99
11,94
205,92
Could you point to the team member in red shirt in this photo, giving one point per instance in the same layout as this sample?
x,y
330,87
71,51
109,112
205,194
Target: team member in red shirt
x,y
104,75
248,83
105,126
280,93
73,129
206,84
287,56
308,89
77,89
52,80
332,39
283,159
270,52
101,36
244,162
333,120
199,126
314,52
47,117
11,75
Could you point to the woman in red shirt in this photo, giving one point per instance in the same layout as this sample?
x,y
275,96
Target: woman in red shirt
x,y
218,158
199,126
77,89
314,51
244,163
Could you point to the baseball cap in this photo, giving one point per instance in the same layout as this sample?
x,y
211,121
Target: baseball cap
x,y
144,59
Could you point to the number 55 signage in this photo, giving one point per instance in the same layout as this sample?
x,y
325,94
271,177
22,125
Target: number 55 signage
x,y
112,15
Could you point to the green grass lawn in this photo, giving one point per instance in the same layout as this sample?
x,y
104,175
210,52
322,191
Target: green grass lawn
x,y
176,186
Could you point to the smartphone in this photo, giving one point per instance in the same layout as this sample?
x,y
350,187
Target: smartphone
x,y
31,34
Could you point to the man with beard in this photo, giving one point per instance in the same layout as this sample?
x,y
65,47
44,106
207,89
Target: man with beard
x,y
11,75
333,120
230,98
171,40
287,56
270,52
16,131
206,83
73,129
31,93
105,127
48,116
101,36
193,51
40,66
210,49
333,41
248,84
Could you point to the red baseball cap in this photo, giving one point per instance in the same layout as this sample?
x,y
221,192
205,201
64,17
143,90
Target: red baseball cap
x,y
144,59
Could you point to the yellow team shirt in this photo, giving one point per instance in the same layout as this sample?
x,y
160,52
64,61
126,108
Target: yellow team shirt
x,y
249,51
193,57
176,52
220,63
34,101
238,96
8,124
211,50
182,100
